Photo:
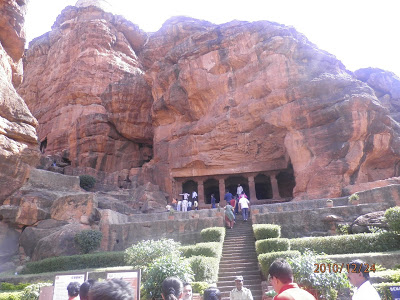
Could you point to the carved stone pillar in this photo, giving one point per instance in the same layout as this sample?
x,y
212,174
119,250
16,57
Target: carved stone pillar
x,y
200,192
221,190
252,189
275,188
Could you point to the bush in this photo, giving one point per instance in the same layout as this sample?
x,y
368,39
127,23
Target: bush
x,y
213,234
266,231
392,216
187,251
163,267
31,292
326,283
10,296
266,259
199,287
88,240
354,197
204,268
76,262
141,255
87,182
353,243
211,249
5,286
272,245
383,289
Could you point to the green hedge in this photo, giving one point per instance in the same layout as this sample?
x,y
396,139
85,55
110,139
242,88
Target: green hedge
x,y
266,259
10,296
5,286
76,262
392,217
266,231
352,243
204,268
383,289
199,287
213,234
211,249
272,245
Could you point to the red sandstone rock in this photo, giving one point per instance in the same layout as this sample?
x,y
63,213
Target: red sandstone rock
x,y
18,141
229,100
84,83
252,97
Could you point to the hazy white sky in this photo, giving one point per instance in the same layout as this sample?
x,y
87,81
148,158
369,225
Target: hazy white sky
x,y
360,33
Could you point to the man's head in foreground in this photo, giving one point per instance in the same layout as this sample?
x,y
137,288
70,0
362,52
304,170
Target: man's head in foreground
x,y
280,273
358,272
114,289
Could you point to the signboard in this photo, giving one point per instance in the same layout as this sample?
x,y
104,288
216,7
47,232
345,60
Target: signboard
x,y
61,282
46,293
133,277
395,290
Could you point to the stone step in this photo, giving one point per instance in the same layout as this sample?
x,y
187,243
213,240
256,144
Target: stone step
x,y
231,262
224,275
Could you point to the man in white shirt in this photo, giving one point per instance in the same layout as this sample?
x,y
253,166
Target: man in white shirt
x,y
239,190
244,207
359,277
240,292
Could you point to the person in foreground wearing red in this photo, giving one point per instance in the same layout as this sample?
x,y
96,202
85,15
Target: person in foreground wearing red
x,y
281,279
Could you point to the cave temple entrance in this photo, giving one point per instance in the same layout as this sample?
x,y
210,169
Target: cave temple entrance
x,y
260,187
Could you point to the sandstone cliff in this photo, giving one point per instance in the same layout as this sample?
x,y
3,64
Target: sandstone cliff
x,y
197,101
250,97
84,83
18,140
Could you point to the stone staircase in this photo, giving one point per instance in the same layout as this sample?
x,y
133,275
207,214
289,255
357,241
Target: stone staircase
x,y
239,258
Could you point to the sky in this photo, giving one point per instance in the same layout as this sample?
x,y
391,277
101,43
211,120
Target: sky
x,y
360,33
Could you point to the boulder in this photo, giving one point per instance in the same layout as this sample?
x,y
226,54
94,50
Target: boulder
x,y
58,243
73,207
8,246
375,219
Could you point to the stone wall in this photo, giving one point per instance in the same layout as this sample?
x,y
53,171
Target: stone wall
x,y
120,231
313,218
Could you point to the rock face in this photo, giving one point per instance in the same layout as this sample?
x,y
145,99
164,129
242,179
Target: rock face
x,y
252,97
18,140
84,82
212,105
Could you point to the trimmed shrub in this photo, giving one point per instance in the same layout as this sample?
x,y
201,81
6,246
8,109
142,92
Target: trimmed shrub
x,y
87,182
31,292
211,249
213,234
142,255
325,283
204,268
162,268
5,286
88,240
266,259
383,289
353,243
199,287
187,251
392,216
10,296
266,231
272,245
76,262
